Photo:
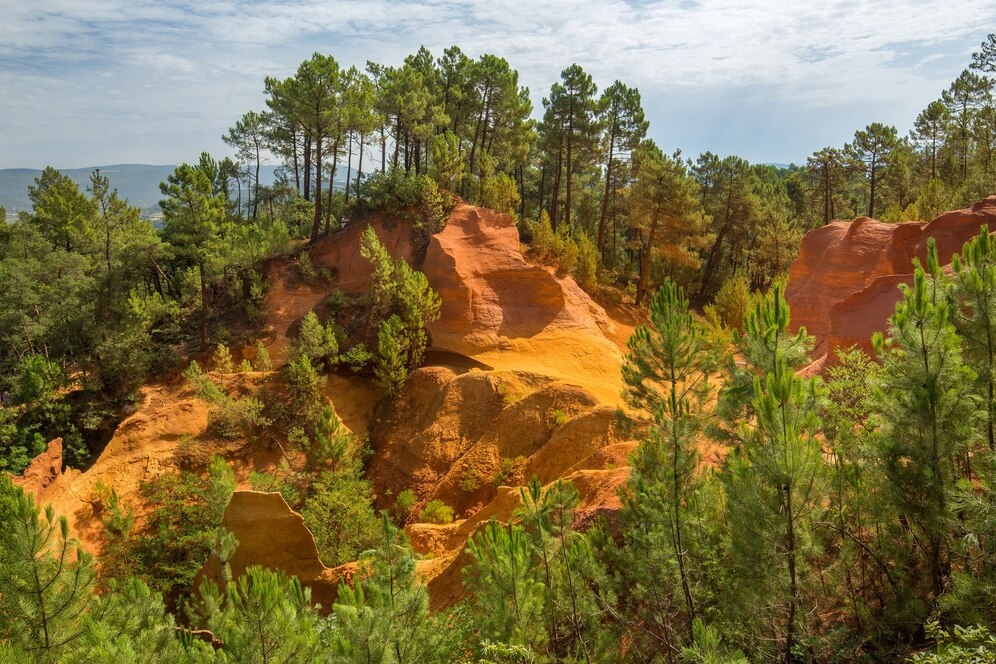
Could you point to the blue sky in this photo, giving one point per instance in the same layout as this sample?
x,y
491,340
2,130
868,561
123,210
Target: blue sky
x,y
109,81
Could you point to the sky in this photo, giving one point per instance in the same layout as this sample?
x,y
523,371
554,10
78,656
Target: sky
x,y
90,82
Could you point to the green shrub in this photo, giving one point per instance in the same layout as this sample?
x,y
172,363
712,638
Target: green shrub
x,y
731,302
403,504
228,416
508,470
305,385
262,360
340,515
222,359
414,198
338,300
568,256
282,484
317,342
436,511
558,418
470,479
402,300
357,357
305,268
185,514
544,238
587,264
976,644
499,192
390,366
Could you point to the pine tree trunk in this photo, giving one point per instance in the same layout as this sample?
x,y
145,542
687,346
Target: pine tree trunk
x,y
317,226
204,299
641,288
349,165
605,198
255,194
307,167
569,174
871,198
335,167
556,190
359,169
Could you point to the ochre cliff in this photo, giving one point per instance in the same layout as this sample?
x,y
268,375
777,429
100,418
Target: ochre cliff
x,y
845,283
523,379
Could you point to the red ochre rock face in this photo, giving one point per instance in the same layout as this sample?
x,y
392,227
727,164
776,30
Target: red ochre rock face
x,y
845,283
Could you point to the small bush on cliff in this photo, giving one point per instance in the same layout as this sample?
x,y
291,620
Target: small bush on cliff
x,y
317,342
228,416
403,504
436,511
401,304
186,512
222,359
305,385
340,515
262,360
414,198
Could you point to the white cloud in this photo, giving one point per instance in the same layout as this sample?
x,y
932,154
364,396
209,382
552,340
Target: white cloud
x,y
194,67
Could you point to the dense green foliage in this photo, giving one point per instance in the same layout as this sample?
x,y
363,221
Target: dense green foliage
x,y
840,519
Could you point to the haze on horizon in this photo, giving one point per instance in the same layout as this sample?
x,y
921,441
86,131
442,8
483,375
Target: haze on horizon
x,y
111,81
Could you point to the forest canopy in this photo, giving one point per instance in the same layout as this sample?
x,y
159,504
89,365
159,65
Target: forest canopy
x,y
848,518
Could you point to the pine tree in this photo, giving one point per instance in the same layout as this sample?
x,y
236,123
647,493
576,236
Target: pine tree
x,y
385,617
267,617
390,367
871,149
46,581
625,127
974,316
667,373
776,484
929,416
665,209
192,220
508,595
775,477
764,339
315,341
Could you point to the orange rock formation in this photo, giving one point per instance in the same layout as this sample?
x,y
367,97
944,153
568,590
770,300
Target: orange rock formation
x,y
543,405
271,534
845,283
497,308
468,439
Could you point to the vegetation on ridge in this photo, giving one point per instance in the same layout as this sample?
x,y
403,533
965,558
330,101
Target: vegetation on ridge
x,y
846,519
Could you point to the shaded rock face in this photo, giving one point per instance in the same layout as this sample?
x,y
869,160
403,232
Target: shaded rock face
x,y
469,439
845,283
272,535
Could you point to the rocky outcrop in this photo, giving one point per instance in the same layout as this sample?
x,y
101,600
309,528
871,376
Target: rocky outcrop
x,y
142,448
456,438
845,283
490,293
470,439
270,534
44,477
497,308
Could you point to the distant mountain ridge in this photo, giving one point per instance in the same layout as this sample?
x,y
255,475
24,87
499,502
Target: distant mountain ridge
x,y
139,183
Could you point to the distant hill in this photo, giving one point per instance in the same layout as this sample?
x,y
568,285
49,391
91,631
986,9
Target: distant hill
x,y
139,183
